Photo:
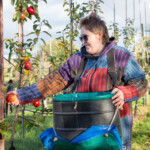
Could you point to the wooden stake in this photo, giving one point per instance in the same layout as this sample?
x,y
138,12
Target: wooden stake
x,y
20,84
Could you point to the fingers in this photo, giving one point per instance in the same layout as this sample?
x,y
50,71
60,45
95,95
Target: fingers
x,y
115,90
16,101
118,98
118,103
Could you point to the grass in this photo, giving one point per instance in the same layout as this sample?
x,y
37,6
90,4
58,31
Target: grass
x,y
32,133
141,130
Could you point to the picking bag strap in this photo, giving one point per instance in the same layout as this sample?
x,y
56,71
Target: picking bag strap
x,y
111,67
113,75
79,72
77,75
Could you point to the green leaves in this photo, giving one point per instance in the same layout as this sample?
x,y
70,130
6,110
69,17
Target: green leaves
x,y
18,15
35,26
37,32
78,11
45,1
4,126
12,2
35,40
47,24
26,14
65,3
25,5
36,12
30,33
128,33
10,55
43,41
47,33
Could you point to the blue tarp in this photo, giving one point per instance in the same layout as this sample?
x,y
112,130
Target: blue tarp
x,y
47,137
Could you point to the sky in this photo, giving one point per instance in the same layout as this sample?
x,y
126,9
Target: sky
x,y
54,12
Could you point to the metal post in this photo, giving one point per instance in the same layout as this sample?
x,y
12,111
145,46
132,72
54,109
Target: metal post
x,y
136,103
50,47
2,145
96,3
134,22
145,37
114,18
134,9
42,74
142,34
145,19
126,12
71,27
140,11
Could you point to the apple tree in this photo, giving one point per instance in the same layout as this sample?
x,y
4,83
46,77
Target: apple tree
x,y
20,46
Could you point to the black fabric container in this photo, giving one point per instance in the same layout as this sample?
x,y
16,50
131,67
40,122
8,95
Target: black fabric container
x,y
73,118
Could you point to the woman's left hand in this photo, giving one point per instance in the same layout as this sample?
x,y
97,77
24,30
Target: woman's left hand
x,y
118,98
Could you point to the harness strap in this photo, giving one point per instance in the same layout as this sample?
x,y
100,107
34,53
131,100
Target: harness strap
x,y
76,76
113,75
111,67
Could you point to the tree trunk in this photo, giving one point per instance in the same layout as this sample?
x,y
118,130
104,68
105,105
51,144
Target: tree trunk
x,y
2,146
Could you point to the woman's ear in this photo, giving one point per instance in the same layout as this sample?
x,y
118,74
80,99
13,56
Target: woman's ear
x,y
100,35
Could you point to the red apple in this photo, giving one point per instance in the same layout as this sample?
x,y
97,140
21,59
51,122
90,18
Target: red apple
x,y
31,10
36,104
22,16
27,65
10,98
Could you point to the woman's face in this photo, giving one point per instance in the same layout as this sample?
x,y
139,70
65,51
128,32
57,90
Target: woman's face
x,y
92,42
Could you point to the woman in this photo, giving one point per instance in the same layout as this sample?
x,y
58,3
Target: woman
x,y
131,82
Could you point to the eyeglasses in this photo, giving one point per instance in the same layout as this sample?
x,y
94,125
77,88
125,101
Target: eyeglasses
x,y
84,37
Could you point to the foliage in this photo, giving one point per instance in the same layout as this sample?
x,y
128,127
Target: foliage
x,y
143,56
128,33
33,129
4,126
77,11
141,129
147,45
116,31
139,49
56,52
22,44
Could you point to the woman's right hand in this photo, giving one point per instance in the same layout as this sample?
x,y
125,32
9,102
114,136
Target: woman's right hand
x,y
16,101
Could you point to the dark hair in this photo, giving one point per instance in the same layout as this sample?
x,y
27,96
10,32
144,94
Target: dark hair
x,y
94,24
10,81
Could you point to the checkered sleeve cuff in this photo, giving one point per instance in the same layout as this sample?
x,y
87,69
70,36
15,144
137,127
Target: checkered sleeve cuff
x,y
130,92
29,94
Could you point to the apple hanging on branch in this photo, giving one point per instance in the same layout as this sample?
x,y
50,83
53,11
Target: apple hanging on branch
x,y
31,10
27,65
36,104
22,16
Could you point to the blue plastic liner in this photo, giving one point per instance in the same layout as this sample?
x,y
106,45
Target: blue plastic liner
x,y
48,136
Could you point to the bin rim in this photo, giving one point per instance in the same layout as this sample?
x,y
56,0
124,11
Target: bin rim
x,y
88,96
